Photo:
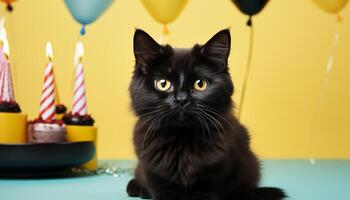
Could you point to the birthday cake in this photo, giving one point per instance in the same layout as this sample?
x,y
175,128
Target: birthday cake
x,y
12,122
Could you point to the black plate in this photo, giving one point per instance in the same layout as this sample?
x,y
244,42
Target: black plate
x,y
31,159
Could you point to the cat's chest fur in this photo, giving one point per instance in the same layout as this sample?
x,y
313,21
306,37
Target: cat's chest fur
x,y
182,155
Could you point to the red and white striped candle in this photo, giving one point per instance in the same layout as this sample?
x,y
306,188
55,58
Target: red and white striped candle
x,y
47,110
79,98
2,76
6,85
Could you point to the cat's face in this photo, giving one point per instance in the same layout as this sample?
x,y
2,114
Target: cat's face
x,y
181,85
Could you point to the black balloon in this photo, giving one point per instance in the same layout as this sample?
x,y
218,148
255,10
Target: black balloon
x,y
250,7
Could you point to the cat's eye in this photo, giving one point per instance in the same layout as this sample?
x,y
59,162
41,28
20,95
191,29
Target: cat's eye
x,y
162,85
200,85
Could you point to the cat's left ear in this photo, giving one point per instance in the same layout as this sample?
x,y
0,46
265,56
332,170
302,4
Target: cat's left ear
x,y
218,47
146,50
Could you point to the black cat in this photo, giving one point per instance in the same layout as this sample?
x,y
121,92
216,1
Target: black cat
x,y
189,144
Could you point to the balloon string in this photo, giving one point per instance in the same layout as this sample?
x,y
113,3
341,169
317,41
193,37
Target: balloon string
x,y
247,71
322,98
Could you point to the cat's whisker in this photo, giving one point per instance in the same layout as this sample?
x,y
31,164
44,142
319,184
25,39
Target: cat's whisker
x,y
204,124
151,112
166,126
211,110
152,107
153,131
156,120
160,122
156,126
214,122
203,119
201,123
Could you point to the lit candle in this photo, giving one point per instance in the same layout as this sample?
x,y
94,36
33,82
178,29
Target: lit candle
x,y
6,84
2,72
47,103
79,98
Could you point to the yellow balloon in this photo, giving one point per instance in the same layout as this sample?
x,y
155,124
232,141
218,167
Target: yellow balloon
x,y
164,11
331,6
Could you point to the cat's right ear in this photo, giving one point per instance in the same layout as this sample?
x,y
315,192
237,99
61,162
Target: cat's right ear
x,y
218,47
146,50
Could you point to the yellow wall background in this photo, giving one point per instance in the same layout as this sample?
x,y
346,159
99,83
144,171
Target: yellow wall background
x,y
292,44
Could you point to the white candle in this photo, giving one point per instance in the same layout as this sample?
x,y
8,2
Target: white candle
x,y
6,85
47,103
5,43
79,97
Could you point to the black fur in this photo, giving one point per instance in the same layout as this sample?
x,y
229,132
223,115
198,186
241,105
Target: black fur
x,y
188,142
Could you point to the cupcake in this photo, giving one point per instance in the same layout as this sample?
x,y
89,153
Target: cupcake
x,y
80,125
43,132
47,128
12,122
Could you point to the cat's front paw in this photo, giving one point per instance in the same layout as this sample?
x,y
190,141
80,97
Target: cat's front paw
x,y
133,188
268,193
168,196
201,196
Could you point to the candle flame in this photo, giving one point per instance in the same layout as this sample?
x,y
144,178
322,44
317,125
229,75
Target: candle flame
x,y
3,34
2,22
6,48
5,43
79,52
49,53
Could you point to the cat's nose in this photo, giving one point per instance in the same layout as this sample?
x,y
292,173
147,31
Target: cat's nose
x,y
181,99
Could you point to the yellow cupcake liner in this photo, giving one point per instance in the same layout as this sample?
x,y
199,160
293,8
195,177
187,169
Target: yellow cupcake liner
x,y
13,128
83,133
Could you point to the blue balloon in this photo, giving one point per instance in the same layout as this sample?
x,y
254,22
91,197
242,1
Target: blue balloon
x,y
87,11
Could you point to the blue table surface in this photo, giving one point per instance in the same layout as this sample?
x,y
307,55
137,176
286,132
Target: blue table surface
x,y
327,180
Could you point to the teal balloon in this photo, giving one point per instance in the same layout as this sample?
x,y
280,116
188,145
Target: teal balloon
x,y
87,11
